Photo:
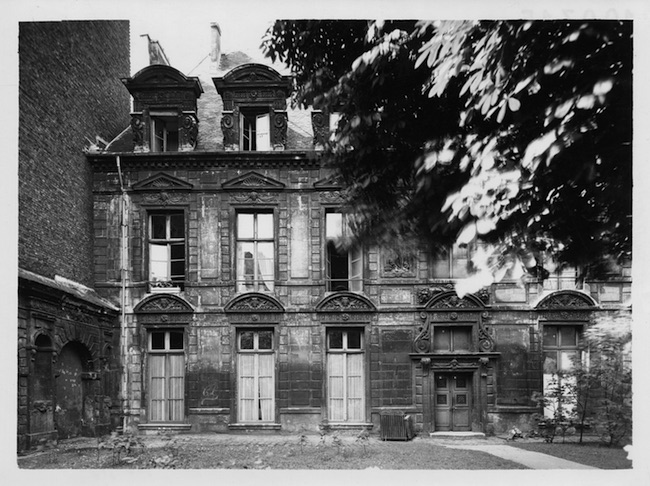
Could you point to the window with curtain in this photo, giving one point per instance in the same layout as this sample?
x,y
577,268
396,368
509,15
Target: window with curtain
x,y
560,344
345,375
255,251
166,376
256,375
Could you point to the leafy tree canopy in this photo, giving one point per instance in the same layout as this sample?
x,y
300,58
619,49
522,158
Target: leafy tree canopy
x,y
513,134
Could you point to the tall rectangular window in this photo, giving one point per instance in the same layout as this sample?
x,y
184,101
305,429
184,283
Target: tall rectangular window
x,y
453,263
256,376
345,375
164,132
167,250
166,376
255,252
255,130
344,267
560,344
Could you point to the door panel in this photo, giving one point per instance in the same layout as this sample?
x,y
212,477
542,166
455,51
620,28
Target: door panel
x,y
452,401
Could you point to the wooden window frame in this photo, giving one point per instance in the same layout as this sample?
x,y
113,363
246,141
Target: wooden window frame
x,y
258,282
353,280
166,352
174,283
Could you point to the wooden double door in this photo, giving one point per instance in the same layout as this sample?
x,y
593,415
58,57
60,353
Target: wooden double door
x,y
452,401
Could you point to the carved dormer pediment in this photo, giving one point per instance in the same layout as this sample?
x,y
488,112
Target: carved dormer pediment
x,y
163,77
253,180
254,96
162,182
254,73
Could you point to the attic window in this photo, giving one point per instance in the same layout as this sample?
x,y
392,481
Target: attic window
x,y
255,130
164,131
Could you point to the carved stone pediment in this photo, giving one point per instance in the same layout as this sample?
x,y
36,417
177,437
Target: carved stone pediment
x,y
253,180
162,182
450,300
332,182
163,304
566,300
163,310
482,297
253,73
254,302
345,302
162,76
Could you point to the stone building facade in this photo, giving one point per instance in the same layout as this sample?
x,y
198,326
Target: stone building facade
x,y
215,234
70,98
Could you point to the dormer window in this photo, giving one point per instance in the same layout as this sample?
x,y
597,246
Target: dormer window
x,y
164,117
254,116
164,131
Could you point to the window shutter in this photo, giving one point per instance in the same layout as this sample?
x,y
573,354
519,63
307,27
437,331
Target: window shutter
x,y
263,132
355,268
159,260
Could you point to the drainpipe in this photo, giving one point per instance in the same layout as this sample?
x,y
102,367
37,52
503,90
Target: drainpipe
x,y
124,349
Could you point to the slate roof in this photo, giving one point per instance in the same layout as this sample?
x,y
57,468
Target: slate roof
x,y
210,105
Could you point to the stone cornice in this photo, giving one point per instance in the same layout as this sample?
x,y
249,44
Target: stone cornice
x,y
204,160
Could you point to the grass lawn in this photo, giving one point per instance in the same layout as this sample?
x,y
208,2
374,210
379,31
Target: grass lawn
x,y
588,453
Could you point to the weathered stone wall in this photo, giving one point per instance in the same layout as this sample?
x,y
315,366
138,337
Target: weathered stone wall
x,y
399,287
69,93
50,321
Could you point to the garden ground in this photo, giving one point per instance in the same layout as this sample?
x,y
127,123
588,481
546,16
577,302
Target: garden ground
x,y
285,451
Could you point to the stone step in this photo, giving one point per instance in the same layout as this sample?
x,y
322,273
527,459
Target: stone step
x,y
457,435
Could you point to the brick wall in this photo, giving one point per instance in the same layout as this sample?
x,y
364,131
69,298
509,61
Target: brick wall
x,y
70,91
